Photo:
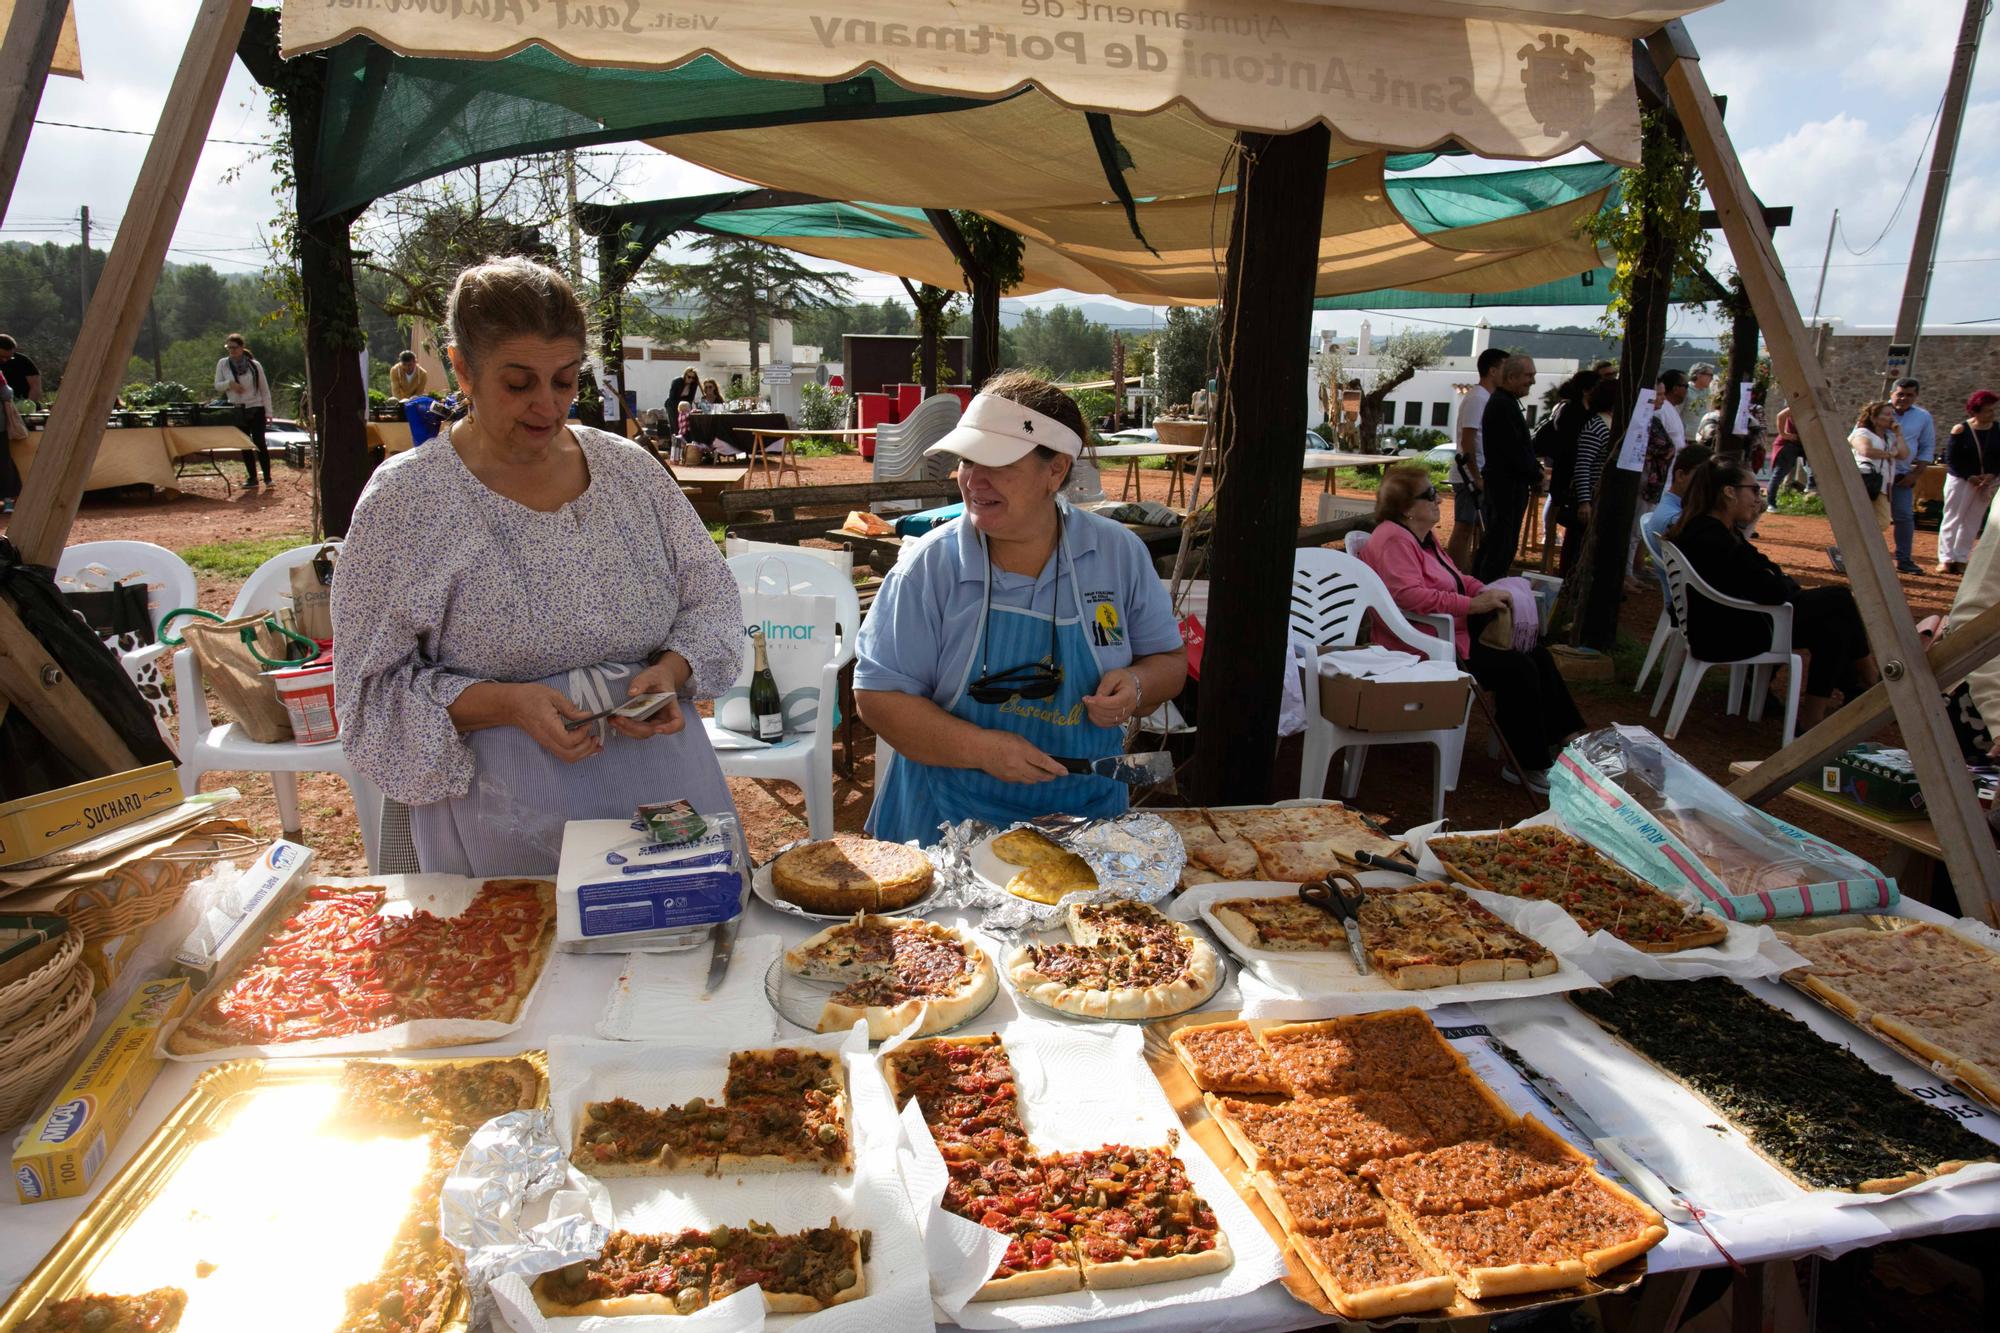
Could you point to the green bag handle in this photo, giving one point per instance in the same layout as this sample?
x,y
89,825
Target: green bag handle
x,y
248,632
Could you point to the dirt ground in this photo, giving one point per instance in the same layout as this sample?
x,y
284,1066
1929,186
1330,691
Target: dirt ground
x,y
1396,784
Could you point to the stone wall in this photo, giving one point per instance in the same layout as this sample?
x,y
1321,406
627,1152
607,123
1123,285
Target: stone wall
x,y
1951,366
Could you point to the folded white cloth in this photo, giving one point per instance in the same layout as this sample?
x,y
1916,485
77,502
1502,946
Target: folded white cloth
x,y
1371,661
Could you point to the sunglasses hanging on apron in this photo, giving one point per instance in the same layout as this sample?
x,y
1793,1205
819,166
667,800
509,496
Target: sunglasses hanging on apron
x,y
1039,698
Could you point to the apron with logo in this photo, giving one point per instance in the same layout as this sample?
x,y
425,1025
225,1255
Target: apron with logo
x,y
918,797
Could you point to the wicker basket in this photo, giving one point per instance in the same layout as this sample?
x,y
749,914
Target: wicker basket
x,y
29,1071
47,964
24,1039
1181,432
133,896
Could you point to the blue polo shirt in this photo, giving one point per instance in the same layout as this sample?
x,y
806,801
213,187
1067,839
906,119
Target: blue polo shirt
x,y
924,629
1920,433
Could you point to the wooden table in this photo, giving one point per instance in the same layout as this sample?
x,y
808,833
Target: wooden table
x,y
1326,460
760,456
1915,851
1130,454
705,486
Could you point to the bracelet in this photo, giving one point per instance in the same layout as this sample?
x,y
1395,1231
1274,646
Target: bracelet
x,y
1138,689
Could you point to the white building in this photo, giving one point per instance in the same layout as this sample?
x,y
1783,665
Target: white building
x,y
1428,399
651,367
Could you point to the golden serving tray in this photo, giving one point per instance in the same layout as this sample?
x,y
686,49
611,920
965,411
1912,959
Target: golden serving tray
x,y
213,1107
1203,1129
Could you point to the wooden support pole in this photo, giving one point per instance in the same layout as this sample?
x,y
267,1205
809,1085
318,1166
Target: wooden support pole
x,y
32,682
32,34
1952,659
1266,321
111,325
1906,670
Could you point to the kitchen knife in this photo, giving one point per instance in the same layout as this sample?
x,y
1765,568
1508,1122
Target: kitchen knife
x,y
718,961
1401,867
1642,1177
1151,769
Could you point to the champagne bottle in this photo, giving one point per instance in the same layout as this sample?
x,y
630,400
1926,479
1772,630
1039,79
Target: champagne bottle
x,y
767,709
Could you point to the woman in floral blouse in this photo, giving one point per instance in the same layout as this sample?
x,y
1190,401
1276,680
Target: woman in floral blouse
x,y
512,577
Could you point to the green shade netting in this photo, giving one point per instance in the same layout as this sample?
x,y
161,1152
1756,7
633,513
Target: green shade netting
x,y
391,121
813,220
1439,203
1588,288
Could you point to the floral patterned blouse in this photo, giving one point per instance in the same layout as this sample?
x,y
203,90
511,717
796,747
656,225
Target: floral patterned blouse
x,y
443,583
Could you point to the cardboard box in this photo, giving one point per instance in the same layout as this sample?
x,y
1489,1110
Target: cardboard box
x,y
1875,777
53,821
240,910
1374,705
62,1150
618,890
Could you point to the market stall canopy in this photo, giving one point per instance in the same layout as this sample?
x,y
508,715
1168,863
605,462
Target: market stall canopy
x,y
1460,234
69,56
1518,80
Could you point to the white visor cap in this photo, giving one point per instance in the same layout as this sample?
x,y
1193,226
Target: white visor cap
x,y
994,432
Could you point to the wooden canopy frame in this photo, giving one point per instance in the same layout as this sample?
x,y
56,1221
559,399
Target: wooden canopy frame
x,y
48,505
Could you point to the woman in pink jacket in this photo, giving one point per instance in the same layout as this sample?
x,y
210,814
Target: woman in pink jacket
x,y
1530,699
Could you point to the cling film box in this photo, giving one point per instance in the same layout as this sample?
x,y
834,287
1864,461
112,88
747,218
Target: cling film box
x,y
62,1151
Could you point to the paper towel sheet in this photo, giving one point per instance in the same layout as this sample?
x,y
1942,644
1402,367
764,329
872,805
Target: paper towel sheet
x,y
1317,985
1749,950
871,1198
1080,1087
441,895
1752,1208
658,996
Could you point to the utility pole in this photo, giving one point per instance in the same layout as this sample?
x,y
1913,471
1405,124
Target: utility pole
x,y
1923,252
1824,260
83,261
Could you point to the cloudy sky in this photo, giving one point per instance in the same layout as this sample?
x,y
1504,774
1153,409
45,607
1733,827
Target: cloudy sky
x,y
1830,103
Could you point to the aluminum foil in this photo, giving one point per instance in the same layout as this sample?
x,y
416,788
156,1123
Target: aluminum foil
x,y
1135,855
510,1162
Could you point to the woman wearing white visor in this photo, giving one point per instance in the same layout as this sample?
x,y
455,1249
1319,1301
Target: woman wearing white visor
x,y
1020,635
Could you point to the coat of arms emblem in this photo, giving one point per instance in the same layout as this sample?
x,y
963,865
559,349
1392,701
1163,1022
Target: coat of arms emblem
x,y
1559,84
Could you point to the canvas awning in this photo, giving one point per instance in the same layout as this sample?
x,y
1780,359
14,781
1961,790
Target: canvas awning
x,y
1508,80
1452,234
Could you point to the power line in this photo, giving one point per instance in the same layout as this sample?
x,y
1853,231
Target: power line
x,y
1903,198
144,134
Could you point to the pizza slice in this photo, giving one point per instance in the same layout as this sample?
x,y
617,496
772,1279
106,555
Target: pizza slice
x,y
896,970
799,1273
782,1070
156,1311
1283,1137
1394,1046
1494,1251
1369,1125
1010,1194
1371,1272
1279,924
1139,1220
801,1128
1478,1173
964,1087
1314,1201
435,1096
1593,1219
1456,1109
1226,1057
1314,1059
1211,845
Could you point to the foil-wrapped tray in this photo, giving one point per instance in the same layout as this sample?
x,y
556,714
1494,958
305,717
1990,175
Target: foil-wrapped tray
x,y
222,1202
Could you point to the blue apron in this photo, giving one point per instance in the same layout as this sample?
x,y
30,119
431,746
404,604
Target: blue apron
x,y
919,797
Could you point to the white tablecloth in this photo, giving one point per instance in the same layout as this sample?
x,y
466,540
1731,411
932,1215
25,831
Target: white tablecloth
x,y
573,998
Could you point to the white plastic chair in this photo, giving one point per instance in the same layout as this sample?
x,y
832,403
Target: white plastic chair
x,y
1436,622
1666,633
1332,594
900,445
169,584
1687,585
806,759
206,748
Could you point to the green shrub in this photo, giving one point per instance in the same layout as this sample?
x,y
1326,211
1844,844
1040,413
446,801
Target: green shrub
x,y
1800,502
157,394
821,408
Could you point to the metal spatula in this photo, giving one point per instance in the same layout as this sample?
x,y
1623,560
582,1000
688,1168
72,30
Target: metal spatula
x,y
1151,769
